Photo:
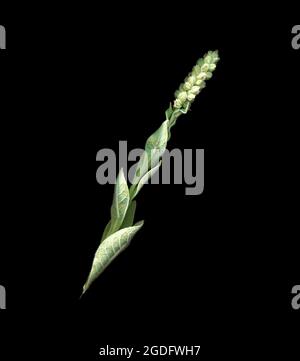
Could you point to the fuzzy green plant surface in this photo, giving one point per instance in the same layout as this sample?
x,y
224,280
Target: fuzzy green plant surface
x,y
121,228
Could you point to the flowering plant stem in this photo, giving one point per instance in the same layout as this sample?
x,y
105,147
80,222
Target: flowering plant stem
x,y
121,228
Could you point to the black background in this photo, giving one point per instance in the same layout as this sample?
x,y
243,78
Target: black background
x,y
215,269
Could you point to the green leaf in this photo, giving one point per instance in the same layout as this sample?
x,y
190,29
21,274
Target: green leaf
x,y
120,203
106,232
157,144
144,180
159,139
129,218
169,112
109,249
155,148
141,168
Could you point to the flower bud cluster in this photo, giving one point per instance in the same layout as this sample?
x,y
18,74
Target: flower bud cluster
x,y
195,81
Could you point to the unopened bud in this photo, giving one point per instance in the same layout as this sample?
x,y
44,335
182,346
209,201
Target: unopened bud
x,y
182,96
208,75
195,90
191,96
192,79
205,67
177,104
201,76
187,85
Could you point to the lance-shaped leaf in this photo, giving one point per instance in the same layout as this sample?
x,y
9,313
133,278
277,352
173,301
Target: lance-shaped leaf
x,y
169,112
142,168
158,139
129,218
106,231
120,203
144,180
154,149
157,143
109,249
